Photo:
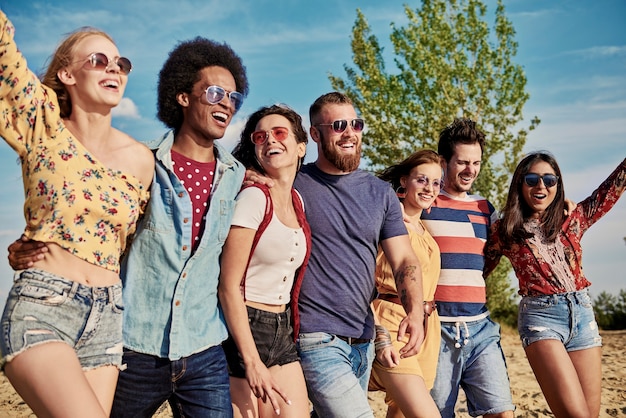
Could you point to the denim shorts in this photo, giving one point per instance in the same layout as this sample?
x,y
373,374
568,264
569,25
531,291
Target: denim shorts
x,y
273,335
471,357
567,317
42,307
336,374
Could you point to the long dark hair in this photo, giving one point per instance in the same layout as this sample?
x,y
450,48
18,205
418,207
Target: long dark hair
x,y
516,210
244,150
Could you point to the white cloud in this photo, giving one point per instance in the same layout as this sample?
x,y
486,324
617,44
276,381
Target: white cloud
x,y
126,109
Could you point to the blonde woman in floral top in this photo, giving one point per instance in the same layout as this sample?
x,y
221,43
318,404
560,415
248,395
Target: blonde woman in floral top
x,y
86,183
556,321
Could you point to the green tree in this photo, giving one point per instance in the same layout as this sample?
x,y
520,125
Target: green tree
x,y
448,62
610,310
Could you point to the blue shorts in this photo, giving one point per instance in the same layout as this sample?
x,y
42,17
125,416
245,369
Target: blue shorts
x,y
471,357
42,307
567,317
273,336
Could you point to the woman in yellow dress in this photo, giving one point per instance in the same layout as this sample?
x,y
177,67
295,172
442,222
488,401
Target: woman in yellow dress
x,y
407,381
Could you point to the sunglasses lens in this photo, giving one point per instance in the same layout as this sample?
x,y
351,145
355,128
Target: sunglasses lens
x,y
215,94
280,133
340,125
258,137
531,180
549,180
236,99
357,125
125,65
99,61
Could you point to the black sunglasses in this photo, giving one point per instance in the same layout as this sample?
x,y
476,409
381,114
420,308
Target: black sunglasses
x,y
341,125
532,179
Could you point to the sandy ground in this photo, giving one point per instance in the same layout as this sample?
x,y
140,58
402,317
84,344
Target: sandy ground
x,y
526,393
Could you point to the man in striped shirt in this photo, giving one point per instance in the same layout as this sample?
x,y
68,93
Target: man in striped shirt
x,y
470,355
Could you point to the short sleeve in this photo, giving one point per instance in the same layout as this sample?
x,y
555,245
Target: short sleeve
x,y
249,208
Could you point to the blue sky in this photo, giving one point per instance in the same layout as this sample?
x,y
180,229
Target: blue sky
x,y
573,53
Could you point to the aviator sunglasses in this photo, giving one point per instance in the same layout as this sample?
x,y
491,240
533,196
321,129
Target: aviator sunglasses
x,y
260,137
340,125
100,61
532,179
215,94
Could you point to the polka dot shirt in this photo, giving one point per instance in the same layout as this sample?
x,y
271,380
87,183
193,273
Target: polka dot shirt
x,y
197,177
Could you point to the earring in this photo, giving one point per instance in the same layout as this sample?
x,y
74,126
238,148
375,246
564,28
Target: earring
x,y
400,192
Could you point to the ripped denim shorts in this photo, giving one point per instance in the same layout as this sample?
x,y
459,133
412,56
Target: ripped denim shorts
x,y
567,317
42,307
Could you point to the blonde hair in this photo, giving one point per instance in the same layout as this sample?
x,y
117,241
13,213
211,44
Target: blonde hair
x,y
63,56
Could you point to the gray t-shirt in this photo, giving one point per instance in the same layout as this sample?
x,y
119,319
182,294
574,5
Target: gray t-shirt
x,y
349,216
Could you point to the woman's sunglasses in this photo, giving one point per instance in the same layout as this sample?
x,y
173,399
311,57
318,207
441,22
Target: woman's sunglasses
x,y
340,125
100,61
532,179
215,94
260,137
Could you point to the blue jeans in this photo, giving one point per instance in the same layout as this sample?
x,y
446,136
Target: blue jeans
x,y
336,375
471,357
194,386
566,317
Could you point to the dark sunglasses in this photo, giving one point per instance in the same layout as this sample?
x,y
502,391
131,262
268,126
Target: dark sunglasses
x,y
532,179
215,94
260,137
100,61
340,125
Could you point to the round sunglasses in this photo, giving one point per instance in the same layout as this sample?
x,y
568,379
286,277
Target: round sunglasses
x,y
260,137
215,94
532,179
341,125
99,61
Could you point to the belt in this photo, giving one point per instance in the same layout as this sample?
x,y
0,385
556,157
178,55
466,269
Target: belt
x,y
429,305
353,341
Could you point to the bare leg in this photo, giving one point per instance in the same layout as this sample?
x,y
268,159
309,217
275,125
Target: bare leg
x,y
588,364
411,397
244,401
51,381
558,378
103,381
290,379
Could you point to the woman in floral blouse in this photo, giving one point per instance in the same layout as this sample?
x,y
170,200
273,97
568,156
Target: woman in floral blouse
x,y
556,321
86,183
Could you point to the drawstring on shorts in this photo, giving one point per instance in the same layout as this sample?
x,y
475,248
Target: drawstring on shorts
x,y
457,338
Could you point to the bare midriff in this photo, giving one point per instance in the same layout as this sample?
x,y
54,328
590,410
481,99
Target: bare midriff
x,y
60,262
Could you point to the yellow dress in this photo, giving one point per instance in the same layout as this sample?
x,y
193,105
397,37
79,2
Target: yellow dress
x,y
390,314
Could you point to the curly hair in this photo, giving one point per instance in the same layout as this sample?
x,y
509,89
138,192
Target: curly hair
x,y
394,173
182,69
244,150
460,131
516,210
63,56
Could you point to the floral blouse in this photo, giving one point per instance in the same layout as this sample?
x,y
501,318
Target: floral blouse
x,y
539,273
71,198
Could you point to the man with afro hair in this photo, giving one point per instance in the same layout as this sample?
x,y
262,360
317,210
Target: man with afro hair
x,y
173,325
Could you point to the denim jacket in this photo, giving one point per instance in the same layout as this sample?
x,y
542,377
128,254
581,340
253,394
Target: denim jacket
x,y
170,295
